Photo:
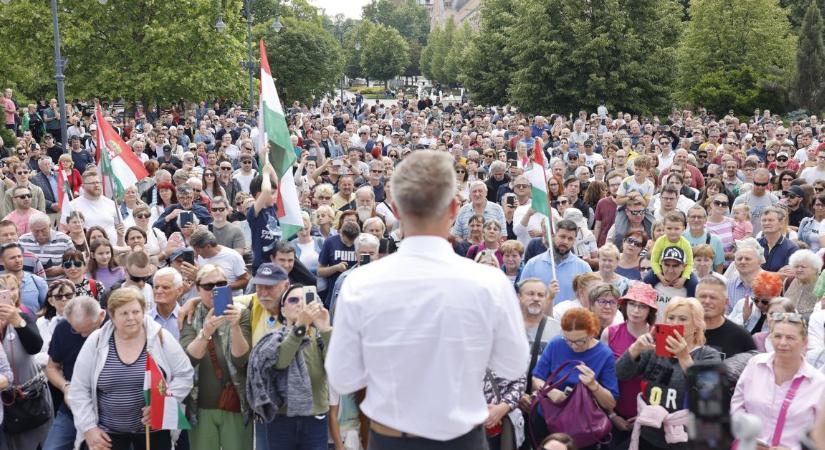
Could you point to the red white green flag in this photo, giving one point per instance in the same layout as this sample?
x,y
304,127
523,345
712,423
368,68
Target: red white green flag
x,y
117,165
165,411
538,182
275,134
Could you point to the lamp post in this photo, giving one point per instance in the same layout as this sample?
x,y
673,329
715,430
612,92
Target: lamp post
x,y
340,32
59,65
249,64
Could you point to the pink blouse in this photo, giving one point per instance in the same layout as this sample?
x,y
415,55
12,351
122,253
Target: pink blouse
x,y
756,393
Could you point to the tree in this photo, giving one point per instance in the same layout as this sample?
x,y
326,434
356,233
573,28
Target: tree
x,y
796,10
425,62
487,67
567,54
385,54
172,52
263,11
354,41
455,55
744,36
809,78
408,17
440,44
305,60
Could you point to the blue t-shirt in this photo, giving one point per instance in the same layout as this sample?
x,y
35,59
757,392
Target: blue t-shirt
x,y
599,359
333,252
65,346
266,232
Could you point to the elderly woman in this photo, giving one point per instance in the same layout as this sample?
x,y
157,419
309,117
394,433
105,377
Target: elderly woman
x,y
638,307
218,347
512,252
74,265
630,260
604,302
640,360
812,229
806,267
300,344
595,372
608,262
374,226
776,305
66,168
106,394
781,377
751,311
582,285
21,343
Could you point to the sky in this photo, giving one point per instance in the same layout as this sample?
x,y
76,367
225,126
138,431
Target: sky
x,y
349,8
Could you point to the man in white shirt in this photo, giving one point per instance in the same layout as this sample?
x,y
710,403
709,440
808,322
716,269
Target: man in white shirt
x,y
246,173
817,172
209,252
96,209
425,323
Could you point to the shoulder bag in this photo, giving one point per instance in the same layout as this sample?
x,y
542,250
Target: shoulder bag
x,y
26,406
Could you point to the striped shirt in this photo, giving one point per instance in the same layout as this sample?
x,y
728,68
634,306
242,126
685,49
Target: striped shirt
x,y
492,211
736,291
50,254
120,398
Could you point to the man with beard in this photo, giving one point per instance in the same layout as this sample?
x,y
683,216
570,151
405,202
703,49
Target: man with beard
x,y
567,264
364,203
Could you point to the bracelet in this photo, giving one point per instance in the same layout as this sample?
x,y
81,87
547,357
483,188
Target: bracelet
x,y
612,415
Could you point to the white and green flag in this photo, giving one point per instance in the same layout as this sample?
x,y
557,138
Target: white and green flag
x,y
275,134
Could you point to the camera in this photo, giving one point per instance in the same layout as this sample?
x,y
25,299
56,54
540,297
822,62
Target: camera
x,y
709,396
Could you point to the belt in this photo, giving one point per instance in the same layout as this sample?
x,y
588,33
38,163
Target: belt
x,y
384,430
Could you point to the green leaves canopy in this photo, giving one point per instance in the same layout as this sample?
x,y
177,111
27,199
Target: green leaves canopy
x,y
385,53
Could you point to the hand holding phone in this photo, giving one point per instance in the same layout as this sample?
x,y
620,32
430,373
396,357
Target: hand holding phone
x,y
662,332
5,297
221,298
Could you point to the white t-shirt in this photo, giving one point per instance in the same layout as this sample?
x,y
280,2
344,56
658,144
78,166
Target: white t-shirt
x,y
309,256
591,160
244,180
232,264
100,212
812,174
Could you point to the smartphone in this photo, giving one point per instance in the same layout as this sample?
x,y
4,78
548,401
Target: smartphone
x,y
221,298
511,201
512,155
312,158
5,297
310,294
186,217
188,256
662,332
365,259
337,163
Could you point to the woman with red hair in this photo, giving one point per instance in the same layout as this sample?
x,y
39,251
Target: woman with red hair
x,y
595,370
752,311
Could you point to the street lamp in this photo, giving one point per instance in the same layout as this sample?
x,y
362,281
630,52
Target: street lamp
x,y
220,25
276,24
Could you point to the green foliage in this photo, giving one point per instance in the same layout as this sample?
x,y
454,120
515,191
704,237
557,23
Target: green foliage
x,y
747,38
409,18
439,45
8,137
487,68
809,78
305,60
739,90
263,11
567,55
454,59
425,61
796,10
356,35
385,53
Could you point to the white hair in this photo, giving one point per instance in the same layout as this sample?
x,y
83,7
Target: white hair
x,y
85,305
751,244
366,239
177,278
807,257
39,217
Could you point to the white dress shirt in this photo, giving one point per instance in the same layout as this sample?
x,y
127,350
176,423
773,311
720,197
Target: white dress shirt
x,y
418,329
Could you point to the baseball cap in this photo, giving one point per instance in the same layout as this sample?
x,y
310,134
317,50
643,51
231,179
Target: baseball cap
x,y
572,154
674,254
269,274
192,145
180,252
588,143
796,191
641,293
785,154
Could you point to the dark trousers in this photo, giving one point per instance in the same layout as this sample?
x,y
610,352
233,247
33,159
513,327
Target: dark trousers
x,y
474,440
158,440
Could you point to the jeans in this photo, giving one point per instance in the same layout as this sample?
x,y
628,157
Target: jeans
x,y
296,433
62,434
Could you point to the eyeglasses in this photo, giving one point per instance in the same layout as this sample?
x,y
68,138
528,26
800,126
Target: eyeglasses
x,y
137,279
218,209
246,162
635,242
576,342
76,263
142,216
607,302
323,197
782,158
787,317
521,186
209,174
761,301
226,168
63,297
641,211
760,184
23,196
21,173
376,171
562,202
293,300
720,203
210,286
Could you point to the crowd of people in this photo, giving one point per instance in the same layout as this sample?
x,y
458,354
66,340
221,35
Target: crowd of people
x,y
712,223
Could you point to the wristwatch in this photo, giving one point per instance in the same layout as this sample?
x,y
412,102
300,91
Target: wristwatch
x,y
300,331
202,336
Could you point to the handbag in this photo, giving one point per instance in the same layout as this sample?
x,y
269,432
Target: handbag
x,y
512,425
578,415
26,406
228,400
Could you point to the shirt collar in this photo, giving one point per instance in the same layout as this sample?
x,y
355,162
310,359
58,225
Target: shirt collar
x,y
155,314
434,245
805,370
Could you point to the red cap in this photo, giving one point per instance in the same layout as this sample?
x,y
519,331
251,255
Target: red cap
x,y
641,293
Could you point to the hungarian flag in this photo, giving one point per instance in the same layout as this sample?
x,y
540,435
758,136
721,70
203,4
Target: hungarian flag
x,y
538,181
64,195
165,411
275,134
117,165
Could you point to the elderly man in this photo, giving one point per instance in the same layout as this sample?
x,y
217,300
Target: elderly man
x,y
32,288
167,287
365,203
720,333
747,261
567,264
366,249
375,180
150,197
96,208
538,324
758,198
498,177
210,252
778,248
46,180
436,290
479,205
47,245
83,316
168,223
343,199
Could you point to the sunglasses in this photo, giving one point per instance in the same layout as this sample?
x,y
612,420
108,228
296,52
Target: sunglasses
x,y
210,286
562,202
637,213
460,171
292,300
787,317
73,263
761,301
226,168
218,209
209,174
782,158
142,216
720,203
634,242
63,297
23,196
760,184
137,279
246,162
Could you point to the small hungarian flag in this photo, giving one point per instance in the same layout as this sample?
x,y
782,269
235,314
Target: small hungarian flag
x,y
538,180
274,132
166,413
64,195
117,165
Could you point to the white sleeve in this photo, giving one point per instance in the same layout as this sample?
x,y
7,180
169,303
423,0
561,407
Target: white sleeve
x,y
736,315
345,359
816,333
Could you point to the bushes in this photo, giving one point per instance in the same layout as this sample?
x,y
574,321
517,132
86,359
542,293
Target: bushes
x,y
737,90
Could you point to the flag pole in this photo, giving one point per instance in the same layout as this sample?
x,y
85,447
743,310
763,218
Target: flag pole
x,y
548,221
147,438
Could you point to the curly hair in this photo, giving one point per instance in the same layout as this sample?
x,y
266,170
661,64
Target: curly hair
x,y
767,285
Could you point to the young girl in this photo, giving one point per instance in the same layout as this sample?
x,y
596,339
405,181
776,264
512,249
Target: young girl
x,y
102,266
675,224
742,226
